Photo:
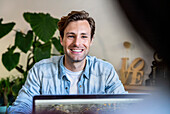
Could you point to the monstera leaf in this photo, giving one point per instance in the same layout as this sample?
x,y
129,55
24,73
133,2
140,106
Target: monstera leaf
x,y
42,52
10,59
5,28
57,45
24,42
42,24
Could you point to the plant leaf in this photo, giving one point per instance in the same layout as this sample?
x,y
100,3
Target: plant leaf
x,y
57,45
42,24
10,60
42,52
56,21
24,42
16,86
5,28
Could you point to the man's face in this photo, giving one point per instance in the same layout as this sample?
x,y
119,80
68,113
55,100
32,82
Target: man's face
x,y
77,40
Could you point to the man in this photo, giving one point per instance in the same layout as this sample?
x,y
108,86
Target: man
x,y
73,73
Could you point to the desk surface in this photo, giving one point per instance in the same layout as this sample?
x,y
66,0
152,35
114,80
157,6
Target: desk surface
x,y
139,89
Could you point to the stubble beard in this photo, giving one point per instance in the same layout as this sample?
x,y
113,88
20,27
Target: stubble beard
x,y
76,60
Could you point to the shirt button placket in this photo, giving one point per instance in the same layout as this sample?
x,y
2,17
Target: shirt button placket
x,y
67,85
80,88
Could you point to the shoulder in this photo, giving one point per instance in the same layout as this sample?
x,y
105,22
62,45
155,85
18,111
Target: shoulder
x,y
50,61
47,64
99,62
46,67
99,65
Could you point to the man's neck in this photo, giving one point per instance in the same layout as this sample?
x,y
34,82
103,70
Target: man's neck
x,y
74,66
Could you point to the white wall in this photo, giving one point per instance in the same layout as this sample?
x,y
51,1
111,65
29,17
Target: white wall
x,y
112,28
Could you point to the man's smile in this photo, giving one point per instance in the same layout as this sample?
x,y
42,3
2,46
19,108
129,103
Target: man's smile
x,y
76,50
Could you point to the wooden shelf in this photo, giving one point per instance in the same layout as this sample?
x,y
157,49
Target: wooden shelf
x,y
139,89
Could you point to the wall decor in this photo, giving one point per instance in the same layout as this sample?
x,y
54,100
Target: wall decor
x,y
132,75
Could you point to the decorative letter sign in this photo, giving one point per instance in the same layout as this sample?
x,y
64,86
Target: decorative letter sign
x,y
133,75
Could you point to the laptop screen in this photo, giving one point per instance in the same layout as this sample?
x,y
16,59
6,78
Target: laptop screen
x,y
76,104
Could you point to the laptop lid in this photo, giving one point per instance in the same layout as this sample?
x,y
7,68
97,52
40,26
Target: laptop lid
x,y
76,104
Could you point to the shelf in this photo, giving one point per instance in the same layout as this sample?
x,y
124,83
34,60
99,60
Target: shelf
x,y
139,89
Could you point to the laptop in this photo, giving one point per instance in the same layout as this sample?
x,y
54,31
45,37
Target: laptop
x,y
85,104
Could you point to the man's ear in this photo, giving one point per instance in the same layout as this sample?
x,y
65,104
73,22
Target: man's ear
x,y
61,40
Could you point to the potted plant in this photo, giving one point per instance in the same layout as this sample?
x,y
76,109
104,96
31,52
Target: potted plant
x,y
9,91
36,44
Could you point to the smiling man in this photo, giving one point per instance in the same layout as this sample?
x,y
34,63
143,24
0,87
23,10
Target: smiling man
x,y
76,42
73,73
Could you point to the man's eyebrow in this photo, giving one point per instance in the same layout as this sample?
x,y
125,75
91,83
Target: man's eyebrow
x,y
70,33
84,33
74,33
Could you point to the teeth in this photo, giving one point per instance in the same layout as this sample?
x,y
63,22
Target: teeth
x,y
76,50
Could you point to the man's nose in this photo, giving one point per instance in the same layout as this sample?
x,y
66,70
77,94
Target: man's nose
x,y
77,41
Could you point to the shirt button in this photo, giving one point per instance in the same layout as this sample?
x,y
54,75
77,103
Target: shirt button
x,y
80,85
66,88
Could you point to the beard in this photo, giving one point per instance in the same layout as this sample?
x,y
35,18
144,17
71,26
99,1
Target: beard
x,y
72,59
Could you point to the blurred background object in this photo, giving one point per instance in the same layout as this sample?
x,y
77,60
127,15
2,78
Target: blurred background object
x,y
151,21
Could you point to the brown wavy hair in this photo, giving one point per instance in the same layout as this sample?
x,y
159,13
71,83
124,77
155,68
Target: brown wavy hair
x,y
75,16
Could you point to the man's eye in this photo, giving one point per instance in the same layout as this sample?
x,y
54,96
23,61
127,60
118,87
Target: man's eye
x,y
84,37
71,36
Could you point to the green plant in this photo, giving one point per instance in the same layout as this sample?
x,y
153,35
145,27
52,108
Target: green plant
x,y
9,89
36,44
4,90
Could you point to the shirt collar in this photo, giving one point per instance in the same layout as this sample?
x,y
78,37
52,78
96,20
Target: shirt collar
x,y
62,70
85,72
87,68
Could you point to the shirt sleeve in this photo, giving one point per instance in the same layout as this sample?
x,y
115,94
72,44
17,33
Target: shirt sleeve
x,y
23,102
113,84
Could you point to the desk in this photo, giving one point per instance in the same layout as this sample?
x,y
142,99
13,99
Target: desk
x,y
139,89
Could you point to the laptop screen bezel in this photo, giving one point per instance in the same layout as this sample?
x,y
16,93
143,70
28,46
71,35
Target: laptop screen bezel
x,y
94,96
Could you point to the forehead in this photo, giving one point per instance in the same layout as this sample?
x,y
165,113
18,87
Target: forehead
x,y
80,26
